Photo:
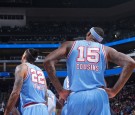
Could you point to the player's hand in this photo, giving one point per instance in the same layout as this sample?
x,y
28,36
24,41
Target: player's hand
x,y
61,101
64,94
110,91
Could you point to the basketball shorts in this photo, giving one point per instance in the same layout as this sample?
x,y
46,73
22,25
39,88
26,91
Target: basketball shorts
x,y
36,109
90,102
64,110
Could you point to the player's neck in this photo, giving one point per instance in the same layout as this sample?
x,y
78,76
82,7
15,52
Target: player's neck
x,y
90,40
24,61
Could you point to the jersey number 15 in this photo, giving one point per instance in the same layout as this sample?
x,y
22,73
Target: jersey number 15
x,y
92,54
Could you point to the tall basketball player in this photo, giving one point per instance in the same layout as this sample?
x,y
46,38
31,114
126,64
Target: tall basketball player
x,y
86,63
30,85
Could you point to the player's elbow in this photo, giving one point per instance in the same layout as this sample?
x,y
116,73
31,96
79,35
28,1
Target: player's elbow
x,y
15,94
131,64
47,63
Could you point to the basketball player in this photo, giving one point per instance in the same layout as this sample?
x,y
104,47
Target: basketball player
x,y
30,84
86,63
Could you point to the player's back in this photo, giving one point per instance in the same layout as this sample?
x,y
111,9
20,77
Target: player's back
x,y
86,64
34,86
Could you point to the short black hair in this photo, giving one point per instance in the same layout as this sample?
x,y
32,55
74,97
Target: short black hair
x,y
99,31
31,55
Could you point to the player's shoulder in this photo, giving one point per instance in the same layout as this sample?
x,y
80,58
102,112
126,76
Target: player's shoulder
x,y
97,43
38,67
108,49
71,43
22,67
80,41
67,43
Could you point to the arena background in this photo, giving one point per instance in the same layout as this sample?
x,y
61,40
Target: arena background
x,y
45,24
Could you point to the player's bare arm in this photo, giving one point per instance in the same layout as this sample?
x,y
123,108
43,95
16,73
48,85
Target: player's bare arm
x,y
51,60
128,65
15,111
20,73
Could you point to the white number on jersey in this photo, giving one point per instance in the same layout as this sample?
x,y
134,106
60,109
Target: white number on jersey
x,y
37,76
92,54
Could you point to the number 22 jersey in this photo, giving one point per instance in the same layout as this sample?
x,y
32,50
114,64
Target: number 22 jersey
x,y
34,86
86,64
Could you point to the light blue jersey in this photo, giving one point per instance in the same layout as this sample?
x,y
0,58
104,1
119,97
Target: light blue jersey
x,y
51,103
86,64
33,90
66,83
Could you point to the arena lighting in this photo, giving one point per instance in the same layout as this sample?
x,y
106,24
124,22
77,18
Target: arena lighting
x,y
4,74
25,46
126,40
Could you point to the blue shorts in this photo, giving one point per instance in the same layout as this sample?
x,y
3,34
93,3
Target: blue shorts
x,y
90,102
64,110
36,109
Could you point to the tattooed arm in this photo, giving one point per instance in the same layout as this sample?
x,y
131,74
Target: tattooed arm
x,y
15,111
124,61
49,64
20,73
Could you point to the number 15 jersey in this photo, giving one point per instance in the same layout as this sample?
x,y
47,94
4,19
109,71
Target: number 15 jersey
x,y
86,64
34,86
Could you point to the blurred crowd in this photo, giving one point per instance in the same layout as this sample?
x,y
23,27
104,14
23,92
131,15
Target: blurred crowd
x,y
61,31
124,102
2,106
